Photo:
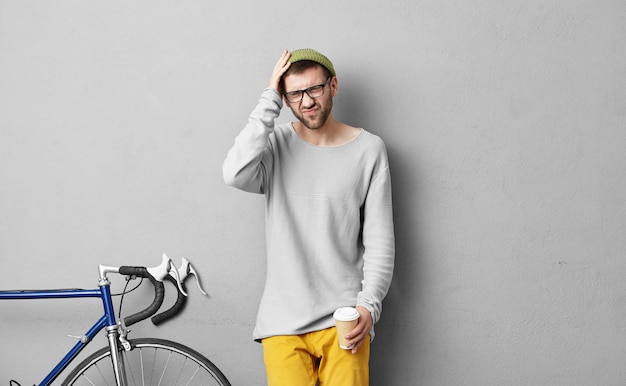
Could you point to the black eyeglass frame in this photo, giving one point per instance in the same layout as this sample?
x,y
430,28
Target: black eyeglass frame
x,y
306,90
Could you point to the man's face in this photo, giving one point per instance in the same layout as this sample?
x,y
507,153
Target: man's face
x,y
312,112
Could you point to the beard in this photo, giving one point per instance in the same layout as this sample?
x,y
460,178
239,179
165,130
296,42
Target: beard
x,y
314,122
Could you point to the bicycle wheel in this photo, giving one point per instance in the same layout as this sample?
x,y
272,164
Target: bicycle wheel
x,y
149,362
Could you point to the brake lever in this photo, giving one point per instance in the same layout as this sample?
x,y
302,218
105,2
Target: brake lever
x,y
187,269
162,270
179,276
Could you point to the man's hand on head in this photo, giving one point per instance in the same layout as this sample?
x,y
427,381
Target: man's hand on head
x,y
279,70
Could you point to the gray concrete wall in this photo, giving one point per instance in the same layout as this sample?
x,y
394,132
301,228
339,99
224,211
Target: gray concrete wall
x,y
505,123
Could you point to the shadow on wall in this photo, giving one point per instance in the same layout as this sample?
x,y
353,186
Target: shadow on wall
x,y
395,348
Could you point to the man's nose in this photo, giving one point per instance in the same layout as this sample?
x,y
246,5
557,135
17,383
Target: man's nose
x,y
307,101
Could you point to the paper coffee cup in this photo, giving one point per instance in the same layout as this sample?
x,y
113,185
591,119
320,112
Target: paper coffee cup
x,y
346,319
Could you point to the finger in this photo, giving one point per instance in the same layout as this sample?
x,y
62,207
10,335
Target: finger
x,y
355,333
356,346
279,70
355,341
285,66
359,331
283,60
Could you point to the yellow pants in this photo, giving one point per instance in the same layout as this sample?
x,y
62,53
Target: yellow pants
x,y
303,360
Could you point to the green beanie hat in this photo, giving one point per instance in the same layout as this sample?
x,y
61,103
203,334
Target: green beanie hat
x,y
314,56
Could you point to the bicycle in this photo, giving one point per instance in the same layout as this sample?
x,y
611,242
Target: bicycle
x,y
126,362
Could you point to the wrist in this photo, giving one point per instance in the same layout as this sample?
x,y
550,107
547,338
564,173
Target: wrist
x,y
364,311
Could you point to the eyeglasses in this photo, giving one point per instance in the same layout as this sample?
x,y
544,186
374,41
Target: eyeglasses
x,y
312,92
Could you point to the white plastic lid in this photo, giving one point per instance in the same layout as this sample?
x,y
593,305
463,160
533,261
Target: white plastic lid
x,y
346,314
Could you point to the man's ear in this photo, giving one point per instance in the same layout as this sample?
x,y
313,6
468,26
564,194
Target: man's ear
x,y
334,86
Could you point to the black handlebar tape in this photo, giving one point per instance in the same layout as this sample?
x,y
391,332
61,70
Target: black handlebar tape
x,y
159,294
181,300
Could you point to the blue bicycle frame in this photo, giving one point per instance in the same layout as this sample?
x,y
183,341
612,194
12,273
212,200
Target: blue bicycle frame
x,y
116,332
106,321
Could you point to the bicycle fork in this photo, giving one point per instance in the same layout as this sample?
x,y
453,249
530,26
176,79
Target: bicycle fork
x,y
115,335
117,357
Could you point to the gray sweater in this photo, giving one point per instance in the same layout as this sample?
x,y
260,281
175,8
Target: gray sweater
x,y
329,222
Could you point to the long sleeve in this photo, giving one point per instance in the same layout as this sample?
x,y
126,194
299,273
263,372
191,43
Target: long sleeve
x,y
245,166
378,243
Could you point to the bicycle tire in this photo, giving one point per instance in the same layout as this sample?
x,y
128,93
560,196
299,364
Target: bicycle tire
x,y
151,361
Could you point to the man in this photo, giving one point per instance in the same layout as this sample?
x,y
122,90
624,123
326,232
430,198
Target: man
x,y
329,225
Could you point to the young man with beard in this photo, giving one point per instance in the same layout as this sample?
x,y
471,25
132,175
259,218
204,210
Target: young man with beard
x,y
329,225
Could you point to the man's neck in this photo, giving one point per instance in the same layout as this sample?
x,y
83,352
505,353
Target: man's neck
x,y
331,134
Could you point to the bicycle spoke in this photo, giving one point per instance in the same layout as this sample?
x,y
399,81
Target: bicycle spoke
x,y
151,362
193,376
103,379
128,364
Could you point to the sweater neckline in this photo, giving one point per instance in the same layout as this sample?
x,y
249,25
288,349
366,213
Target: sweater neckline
x,y
353,140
